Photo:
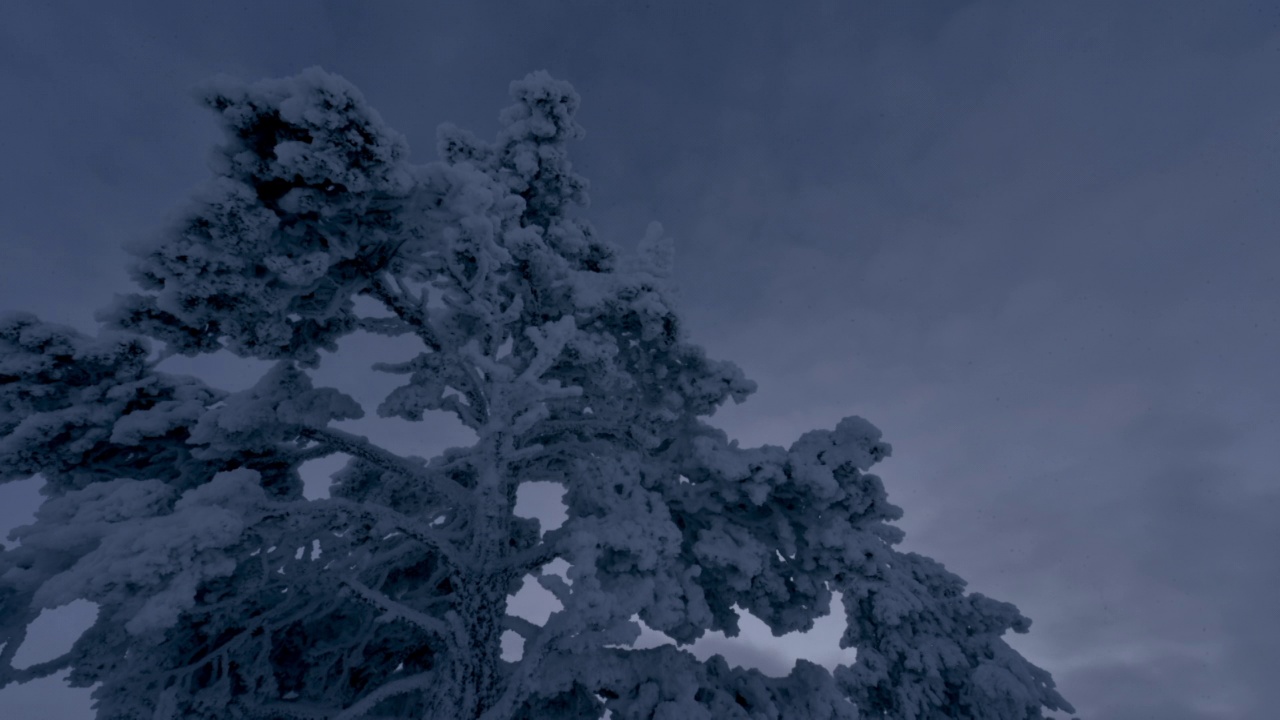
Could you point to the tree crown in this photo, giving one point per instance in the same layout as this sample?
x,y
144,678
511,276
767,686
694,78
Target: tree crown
x,y
224,592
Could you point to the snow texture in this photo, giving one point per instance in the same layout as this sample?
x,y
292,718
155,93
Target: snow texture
x,y
223,592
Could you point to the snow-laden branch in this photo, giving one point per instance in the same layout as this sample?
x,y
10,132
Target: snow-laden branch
x,y
412,683
544,552
38,670
521,627
304,711
438,539
360,446
312,453
408,309
397,610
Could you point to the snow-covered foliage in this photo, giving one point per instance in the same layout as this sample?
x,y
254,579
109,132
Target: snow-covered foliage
x,y
224,593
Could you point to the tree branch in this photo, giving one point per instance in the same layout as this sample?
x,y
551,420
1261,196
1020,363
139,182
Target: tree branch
x,y
413,683
399,611
39,670
359,446
411,313
312,453
521,627
393,520
535,557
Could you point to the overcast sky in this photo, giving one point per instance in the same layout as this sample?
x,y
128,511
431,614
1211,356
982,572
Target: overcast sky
x,y
1035,243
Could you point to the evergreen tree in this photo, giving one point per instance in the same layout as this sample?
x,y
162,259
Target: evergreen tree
x,y
223,592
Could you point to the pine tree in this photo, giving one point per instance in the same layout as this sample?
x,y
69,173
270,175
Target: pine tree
x,y
223,592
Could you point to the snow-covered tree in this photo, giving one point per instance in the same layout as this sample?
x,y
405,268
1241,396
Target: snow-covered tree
x,y
223,592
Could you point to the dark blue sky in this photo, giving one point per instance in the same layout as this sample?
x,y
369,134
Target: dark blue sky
x,y
1035,243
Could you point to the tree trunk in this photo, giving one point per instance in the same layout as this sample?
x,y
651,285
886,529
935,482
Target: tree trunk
x,y
478,673
482,594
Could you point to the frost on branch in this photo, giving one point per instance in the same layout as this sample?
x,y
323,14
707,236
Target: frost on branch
x,y
79,410
300,214
149,568
272,411
224,592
